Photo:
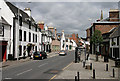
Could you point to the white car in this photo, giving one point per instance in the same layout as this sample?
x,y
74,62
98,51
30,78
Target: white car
x,y
62,53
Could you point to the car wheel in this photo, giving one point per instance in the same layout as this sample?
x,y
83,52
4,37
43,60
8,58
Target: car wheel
x,y
42,58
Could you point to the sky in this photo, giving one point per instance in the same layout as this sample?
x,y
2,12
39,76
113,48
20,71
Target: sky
x,y
72,17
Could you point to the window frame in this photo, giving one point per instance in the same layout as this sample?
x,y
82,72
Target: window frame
x,y
2,31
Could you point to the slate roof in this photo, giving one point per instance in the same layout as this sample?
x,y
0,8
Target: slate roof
x,y
116,33
14,9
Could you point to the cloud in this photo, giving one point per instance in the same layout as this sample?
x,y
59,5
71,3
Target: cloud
x,y
73,17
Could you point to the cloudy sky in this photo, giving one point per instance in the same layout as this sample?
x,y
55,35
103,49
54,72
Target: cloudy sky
x,y
72,17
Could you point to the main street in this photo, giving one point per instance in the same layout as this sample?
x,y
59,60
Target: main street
x,y
38,69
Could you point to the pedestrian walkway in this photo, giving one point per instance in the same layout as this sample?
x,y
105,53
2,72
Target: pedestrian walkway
x,y
99,66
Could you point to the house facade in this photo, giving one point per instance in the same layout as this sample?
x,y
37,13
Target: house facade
x,y
25,34
67,43
62,41
5,37
115,44
55,42
106,26
46,37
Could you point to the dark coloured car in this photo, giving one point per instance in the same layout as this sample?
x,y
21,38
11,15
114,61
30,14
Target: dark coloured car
x,y
39,55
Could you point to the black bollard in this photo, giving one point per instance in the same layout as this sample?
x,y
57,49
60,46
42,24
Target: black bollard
x,y
78,75
83,63
106,67
90,66
75,78
93,73
76,55
96,57
87,57
113,72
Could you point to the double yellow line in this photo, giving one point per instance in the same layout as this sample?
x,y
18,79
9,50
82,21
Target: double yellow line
x,y
62,69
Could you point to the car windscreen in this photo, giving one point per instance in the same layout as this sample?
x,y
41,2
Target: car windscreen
x,y
62,51
42,52
36,53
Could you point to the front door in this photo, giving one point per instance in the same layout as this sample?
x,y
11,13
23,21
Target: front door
x,y
3,45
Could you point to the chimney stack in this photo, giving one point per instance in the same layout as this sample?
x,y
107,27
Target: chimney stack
x,y
41,25
114,15
55,34
101,15
28,11
51,29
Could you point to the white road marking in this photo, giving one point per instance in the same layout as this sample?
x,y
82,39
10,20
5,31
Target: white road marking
x,y
8,78
24,72
53,55
42,64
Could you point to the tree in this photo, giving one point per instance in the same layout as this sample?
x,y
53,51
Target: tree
x,y
96,39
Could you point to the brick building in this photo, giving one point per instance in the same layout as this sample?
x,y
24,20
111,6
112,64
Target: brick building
x,y
75,38
88,34
55,42
106,26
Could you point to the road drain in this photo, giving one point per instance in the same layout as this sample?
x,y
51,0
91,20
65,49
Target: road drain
x,y
53,71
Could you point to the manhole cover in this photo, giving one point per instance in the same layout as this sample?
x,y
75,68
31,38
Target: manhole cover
x,y
53,71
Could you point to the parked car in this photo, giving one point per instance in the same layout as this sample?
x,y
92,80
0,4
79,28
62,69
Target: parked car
x,y
62,53
39,55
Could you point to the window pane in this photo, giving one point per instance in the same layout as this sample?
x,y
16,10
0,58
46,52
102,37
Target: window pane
x,y
20,50
20,35
117,40
29,37
24,35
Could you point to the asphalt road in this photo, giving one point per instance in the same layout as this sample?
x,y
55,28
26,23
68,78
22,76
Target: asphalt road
x,y
38,69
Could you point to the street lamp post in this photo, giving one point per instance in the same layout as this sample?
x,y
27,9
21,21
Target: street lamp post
x,y
18,28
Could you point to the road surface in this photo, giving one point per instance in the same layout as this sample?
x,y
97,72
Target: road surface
x,y
38,69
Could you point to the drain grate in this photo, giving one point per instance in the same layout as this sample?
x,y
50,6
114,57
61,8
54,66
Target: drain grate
x,y
52,71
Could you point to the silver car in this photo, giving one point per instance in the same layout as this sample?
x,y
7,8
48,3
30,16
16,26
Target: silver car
x,y
62,53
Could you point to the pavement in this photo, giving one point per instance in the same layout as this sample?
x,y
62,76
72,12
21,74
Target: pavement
x,y
100,69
